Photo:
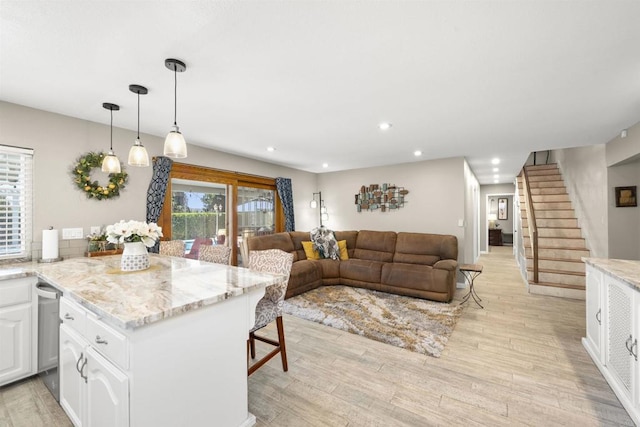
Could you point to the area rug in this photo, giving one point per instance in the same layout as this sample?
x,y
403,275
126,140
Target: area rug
x,y
415,324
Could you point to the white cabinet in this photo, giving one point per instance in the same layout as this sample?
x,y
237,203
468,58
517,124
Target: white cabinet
x,y
595,310
72,385
621,347
18,333
93,391
613,328
179,371
107,393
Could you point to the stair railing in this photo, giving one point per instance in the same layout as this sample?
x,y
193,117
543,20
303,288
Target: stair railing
x,y
531,222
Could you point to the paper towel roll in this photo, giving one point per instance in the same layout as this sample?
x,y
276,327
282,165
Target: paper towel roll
x,y
49,244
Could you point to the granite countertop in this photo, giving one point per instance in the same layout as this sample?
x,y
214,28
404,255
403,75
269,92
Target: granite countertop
x,y
625,270
132,299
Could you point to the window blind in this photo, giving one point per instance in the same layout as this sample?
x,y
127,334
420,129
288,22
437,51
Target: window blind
x,y
16,201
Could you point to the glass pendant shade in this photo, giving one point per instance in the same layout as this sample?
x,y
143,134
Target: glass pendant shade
x,y
138,155
324,216
174,144
111,163
313,204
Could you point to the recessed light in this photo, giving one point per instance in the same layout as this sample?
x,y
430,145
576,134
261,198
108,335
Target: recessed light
x,y
495,181
384,126
495,161
325,165
417,153
496,169
270,149
496,176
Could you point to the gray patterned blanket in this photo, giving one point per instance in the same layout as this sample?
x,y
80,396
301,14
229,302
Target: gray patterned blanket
x,y
325,242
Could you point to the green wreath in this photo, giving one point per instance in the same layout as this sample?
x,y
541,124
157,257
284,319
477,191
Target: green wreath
x,y
93,189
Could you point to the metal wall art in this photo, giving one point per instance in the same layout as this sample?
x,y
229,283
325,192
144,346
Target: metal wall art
x,y
380,196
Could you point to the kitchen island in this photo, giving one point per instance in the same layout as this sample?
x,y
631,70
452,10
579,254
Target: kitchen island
x,y
613,326
164,346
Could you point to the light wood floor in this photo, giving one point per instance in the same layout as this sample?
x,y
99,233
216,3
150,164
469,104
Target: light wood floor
x,y
519,361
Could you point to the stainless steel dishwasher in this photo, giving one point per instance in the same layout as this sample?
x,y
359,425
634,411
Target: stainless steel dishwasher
x,y
48,336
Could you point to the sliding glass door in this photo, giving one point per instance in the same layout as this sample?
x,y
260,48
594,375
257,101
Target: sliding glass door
x,y
198,214
206,206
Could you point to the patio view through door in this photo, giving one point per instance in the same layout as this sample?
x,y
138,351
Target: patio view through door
x,y
198,214
205,206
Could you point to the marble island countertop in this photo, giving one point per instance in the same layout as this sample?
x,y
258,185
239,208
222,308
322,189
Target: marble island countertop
x,y
625,270
132,299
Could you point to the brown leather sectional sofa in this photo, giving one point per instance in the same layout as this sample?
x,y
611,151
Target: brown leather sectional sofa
x,y
414,264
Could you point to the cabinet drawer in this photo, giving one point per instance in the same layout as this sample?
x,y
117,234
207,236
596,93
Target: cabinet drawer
x,y
109,342
15,291
73,315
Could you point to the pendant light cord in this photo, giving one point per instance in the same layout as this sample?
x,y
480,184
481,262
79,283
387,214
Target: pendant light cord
x,y
175,94
138,114
111,127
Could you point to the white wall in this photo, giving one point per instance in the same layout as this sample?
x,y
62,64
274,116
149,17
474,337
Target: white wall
x,y
584,171
623,149
435,203
624,222
59,140
623,159
471,215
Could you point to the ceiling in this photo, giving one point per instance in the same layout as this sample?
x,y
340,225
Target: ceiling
x,y
479,79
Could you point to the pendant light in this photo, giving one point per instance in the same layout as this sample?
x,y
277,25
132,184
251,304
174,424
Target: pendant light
x,y
174,144
111,163
138,155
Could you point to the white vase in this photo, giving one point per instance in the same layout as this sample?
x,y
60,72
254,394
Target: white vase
x,y
134,257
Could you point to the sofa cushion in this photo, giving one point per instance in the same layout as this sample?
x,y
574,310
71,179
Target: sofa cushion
x,y
361,270
280,241
412,276
423,248
309,251
297,237
350,237
304,271
375,245
330,268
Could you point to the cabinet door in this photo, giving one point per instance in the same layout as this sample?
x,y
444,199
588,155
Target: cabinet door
x,y
594,312
15,336
72,384
619,333
107,393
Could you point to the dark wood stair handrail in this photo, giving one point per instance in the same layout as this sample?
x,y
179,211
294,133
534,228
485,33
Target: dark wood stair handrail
x,y
531,220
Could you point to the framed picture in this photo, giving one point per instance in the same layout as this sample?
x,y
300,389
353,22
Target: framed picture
x,y
626,197
503,208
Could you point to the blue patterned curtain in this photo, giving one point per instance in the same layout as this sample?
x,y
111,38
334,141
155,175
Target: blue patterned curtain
x,y
157,191
286,197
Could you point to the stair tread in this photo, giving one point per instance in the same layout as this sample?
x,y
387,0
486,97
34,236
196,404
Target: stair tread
x,y
559,259
555,228
562,248
567,272
559,285
564,238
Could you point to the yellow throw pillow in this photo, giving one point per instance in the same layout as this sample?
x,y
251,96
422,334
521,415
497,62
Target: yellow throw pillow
x,y
309,251
342,245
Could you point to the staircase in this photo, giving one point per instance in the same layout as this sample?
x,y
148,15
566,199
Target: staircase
x,y
560,243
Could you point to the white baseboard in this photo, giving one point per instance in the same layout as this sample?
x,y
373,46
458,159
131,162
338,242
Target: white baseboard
x,y
461,285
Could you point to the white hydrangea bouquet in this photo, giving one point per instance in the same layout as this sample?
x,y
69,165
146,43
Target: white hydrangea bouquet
x,y
134,231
